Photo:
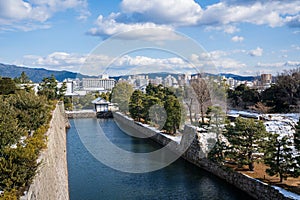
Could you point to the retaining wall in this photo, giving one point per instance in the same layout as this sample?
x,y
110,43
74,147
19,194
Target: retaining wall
x,y
81,114
51,181
253,187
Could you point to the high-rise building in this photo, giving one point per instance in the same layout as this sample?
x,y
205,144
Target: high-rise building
x,y
266,79
106,84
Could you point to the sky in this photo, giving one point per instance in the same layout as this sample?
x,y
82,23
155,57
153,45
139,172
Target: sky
x,y
245,37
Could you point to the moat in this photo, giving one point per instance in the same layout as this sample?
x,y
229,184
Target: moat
x,y
89,179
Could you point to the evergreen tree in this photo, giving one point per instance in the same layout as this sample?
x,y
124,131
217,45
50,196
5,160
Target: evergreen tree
x,y
10,130
121,94
217,120
48,88
173,110
246,137
279,157
7,86
136,105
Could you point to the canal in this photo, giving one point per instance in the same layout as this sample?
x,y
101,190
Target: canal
x,y
89,179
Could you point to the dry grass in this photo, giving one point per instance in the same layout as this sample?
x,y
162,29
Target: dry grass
x,y
291,184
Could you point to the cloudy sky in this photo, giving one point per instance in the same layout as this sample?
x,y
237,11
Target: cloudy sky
x,y
244,37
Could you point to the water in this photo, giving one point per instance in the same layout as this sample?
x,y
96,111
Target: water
x,y
89,179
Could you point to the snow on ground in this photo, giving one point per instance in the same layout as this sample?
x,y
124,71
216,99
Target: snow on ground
x,y
287,193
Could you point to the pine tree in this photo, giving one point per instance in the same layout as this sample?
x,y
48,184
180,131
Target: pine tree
x,y
217,119
279,157
136,105
121,94
173,110
246,137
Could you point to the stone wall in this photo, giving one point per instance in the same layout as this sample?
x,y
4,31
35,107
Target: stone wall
x,y
81,114
253,187
51,182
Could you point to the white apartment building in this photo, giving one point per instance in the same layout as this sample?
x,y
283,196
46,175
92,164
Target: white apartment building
x,y
107,84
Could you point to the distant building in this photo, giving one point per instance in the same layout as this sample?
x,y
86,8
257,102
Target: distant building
x,y
266,79
107,84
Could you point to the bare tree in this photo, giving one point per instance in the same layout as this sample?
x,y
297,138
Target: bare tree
x,y
189,98
201,90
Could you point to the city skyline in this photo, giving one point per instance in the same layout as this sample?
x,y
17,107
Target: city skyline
x,y
240,37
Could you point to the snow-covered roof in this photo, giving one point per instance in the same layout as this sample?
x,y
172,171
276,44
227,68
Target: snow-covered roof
x,y
100,100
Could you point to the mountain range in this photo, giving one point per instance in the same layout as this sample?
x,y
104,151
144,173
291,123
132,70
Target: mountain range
x,y
37,74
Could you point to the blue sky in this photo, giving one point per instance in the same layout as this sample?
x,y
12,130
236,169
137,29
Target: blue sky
x,y
235,36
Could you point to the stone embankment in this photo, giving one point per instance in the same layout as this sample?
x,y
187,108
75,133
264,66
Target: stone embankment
x,y
193,154
51,181
81,114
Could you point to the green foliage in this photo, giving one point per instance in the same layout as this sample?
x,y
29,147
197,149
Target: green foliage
x,y
61,91
9,195
10,130
23,124
136,105
217,120
7,86
159,105
31,110
48,88
279,157
246,137
243,97
173,110
84,102
284,96
22,79
105,96
121,94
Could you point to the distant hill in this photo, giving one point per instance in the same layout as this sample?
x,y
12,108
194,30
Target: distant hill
x,y
238,77
36,74
150,75
165,74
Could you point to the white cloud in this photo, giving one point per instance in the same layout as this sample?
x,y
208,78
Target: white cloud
x,y
237,38
145,31
271,13
256,52
178,12
277,67
96,64
27,15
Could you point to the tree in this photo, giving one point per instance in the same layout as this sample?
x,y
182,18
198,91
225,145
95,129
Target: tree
x,y
31,110
136,105
243,96
202,94
284,96
217,120
23,79
173,110
279,157
121,94
189,99
7,86
48,87
10,130
62,91
246,137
